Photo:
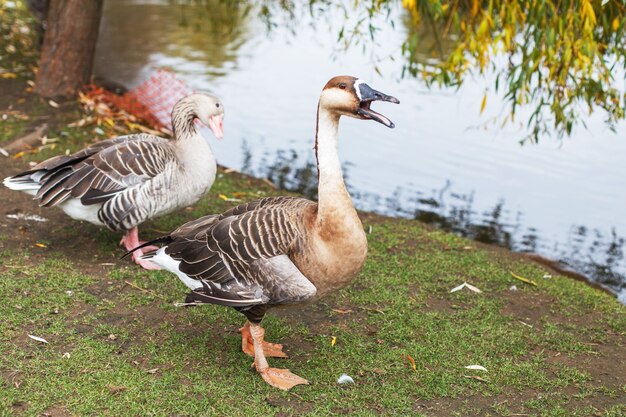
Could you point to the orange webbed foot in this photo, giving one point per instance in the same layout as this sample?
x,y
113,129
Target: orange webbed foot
x,y
281,378
271,350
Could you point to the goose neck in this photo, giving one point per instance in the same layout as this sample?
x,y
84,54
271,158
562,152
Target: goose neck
x,y
333,197
183,119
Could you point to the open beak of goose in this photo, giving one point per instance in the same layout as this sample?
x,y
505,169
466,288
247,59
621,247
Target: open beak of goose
x,y
367,96
216,124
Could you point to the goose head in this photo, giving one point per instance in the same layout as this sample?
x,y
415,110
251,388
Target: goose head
x,y
204,107
350,96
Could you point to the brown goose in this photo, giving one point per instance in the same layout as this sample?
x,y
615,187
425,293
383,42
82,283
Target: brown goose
x,y
280,250
121,182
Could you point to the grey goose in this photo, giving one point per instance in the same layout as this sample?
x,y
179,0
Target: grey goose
x,y
122,182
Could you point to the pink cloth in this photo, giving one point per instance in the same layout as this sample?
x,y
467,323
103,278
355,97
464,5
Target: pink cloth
x,y
159,93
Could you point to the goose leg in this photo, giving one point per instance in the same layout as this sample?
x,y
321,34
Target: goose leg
x,y
279,378
131,241
271,350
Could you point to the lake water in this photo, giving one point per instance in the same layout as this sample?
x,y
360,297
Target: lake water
x,y
443,163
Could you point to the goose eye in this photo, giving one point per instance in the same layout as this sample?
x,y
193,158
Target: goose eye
x,y
342,86
217,105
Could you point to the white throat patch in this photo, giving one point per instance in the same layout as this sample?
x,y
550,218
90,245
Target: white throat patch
x,y
357,87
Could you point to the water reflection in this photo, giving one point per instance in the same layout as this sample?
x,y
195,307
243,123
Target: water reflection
x,y
591,252
169,33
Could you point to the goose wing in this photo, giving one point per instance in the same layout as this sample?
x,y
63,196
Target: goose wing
x,y
243,257
100,171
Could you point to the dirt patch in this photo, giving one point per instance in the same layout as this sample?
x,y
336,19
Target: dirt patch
x,y
525,307
11,377
56,411
289,406
19,408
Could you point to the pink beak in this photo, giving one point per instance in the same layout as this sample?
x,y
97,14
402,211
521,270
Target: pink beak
x,y
216,124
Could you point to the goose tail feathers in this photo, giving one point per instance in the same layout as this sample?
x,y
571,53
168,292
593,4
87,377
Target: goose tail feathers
x,y
21,184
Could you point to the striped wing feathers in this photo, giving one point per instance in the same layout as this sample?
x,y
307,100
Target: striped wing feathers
x,y
102,170
237,247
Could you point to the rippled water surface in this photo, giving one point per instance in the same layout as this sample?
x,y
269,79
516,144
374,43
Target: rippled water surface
x,y
443,163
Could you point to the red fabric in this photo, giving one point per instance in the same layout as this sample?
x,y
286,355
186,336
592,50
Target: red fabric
x,y
159,93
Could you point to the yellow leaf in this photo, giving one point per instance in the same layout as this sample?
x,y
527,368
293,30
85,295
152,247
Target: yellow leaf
x,y
483,104
8,75
615,24
526,280
333,341
587,11
475,7
411,361
223,197
40,245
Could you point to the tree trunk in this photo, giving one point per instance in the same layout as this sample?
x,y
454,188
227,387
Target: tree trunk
x,y
68,47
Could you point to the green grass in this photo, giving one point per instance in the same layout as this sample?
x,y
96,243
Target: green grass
x,y
132,353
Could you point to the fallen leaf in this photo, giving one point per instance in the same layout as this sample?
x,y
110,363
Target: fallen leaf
x,y
22,216
476,368
472,288
66,355
411,361
333,341
38,339
8,75
53,103
226,198
152,371
526,280
40,245
466,285
340,311
475,377
114,389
